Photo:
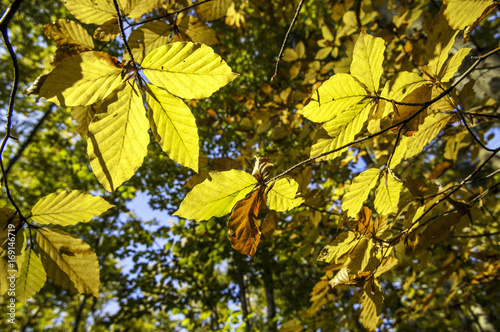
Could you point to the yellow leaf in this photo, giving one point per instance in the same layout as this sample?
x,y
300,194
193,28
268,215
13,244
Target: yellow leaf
x,y
118,138
83,115
200,32
388,264
107,31
283,195
399,87
454,63
216,196
68,208
420,95
68,261
213,10
367,59
342,244
136,8
439,42
359,190
371,304
334,96
461,13
187,70
243,231
82,79
360,256
340,131
173,126
68,32
410,146
387,196
146,38
32,277
91,11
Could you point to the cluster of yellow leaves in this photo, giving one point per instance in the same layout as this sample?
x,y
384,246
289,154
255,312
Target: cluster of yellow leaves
x,y
113,102
67,260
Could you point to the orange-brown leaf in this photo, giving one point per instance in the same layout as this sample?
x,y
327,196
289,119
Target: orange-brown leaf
x,y
420,95
244,234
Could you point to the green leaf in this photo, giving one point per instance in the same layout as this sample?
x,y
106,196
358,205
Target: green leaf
x,y
32,277
82,80
216,196
371,304
335,95
454,63
68,208
283,195
410,146
173,126
359,190
399,87
387,196
340,131
341,245
118,138
68,261
148,37
187,70
461,13
367,59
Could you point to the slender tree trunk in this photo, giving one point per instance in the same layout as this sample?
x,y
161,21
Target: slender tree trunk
x,y
243,295
79,315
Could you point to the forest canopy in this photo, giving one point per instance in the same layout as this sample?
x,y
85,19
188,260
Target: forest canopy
x,y
311,165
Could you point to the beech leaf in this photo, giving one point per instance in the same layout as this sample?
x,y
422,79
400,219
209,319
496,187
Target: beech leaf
x,y
68,208
216,196
367,59
387,196
358,191
371,304
283,195
32,277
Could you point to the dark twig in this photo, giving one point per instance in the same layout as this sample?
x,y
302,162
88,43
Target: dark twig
x,y
9,14
122,31
286,39
169,14
464,121
10,111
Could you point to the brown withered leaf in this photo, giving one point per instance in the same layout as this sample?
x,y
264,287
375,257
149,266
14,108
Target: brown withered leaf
x,y
364,222
108,30
244,234
420,95
439,170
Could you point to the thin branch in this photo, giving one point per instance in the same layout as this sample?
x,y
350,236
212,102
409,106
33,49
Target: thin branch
x,y
10,111
9,14
286,39
122,32
169,14
424,106
485,234
449,194
464,121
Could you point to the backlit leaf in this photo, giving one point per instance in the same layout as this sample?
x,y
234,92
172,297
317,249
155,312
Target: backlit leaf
x,y
340,131
243,231
439,42
82,79
342,244
68,208
32,277
83,116
335,95
454,63
358,191
173,126
283,195
399,87
371,304
420,95
68,261
68,32
461,13
213,10
387,195
216,196
367,59
108,30
148,37
360,256
187,70
410,146
91,11
118,138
